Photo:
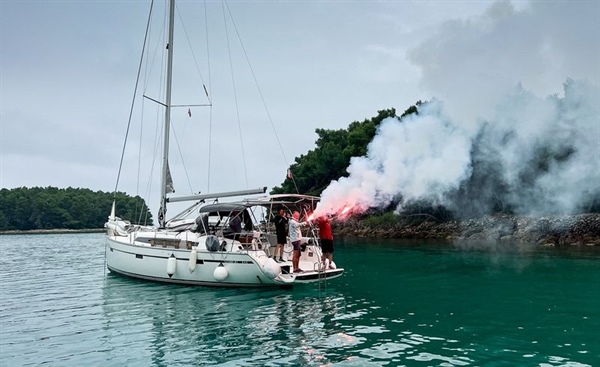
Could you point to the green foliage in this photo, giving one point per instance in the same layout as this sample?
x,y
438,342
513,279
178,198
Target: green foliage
x,y
425,209
53,208
314,170
412,109
413,214
384,220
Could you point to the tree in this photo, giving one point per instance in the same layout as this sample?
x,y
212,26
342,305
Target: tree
x,y
313,171
50,208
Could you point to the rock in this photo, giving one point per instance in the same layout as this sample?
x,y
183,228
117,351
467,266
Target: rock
x,y
574,230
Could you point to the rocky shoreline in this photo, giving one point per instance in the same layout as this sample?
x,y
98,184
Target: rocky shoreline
x,y
559,231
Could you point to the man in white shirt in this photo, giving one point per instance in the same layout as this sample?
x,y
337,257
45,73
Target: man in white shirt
x,y
295,235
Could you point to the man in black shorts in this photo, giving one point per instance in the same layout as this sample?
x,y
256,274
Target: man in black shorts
x,y
281,222
326,235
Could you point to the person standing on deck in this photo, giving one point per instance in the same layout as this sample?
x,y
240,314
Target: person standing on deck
x,y
235,224
281,223
295,235
326,236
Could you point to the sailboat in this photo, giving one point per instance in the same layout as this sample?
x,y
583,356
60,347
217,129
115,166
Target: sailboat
x,y
213,243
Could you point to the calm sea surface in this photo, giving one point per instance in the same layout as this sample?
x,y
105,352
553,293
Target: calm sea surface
x,y
399,304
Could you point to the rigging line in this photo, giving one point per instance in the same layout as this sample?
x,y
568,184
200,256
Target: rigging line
x,y
150,63
137,80
185,123
193,54
203,85
157,138
209,147
237,109
158,125
160,41
257,85
158,128
143,214
139,165
186,105
181,156
210,120
295,186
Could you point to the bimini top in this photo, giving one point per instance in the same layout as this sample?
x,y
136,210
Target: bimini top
x,y
224,207
288,201
285,200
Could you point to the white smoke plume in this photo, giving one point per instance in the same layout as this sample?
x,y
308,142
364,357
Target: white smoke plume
x,y
404,158
518,128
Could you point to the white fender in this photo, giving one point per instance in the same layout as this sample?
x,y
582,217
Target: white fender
x,y
332,265
326,265
193,258
271,268
220,273
171,265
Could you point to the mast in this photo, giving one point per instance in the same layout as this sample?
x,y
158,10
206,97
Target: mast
x,y
165,164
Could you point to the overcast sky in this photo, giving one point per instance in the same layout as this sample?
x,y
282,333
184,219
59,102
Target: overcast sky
x,y
68,71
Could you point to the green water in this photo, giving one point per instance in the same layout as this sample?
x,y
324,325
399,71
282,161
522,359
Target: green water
x,y
399,304
494,304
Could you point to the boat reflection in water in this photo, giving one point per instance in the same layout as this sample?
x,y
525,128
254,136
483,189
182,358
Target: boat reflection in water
x,y
197,326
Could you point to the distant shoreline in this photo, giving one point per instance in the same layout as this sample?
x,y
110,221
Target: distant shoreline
x,y
53,231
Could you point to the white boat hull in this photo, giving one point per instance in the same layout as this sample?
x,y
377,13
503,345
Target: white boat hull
x,y
144,255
